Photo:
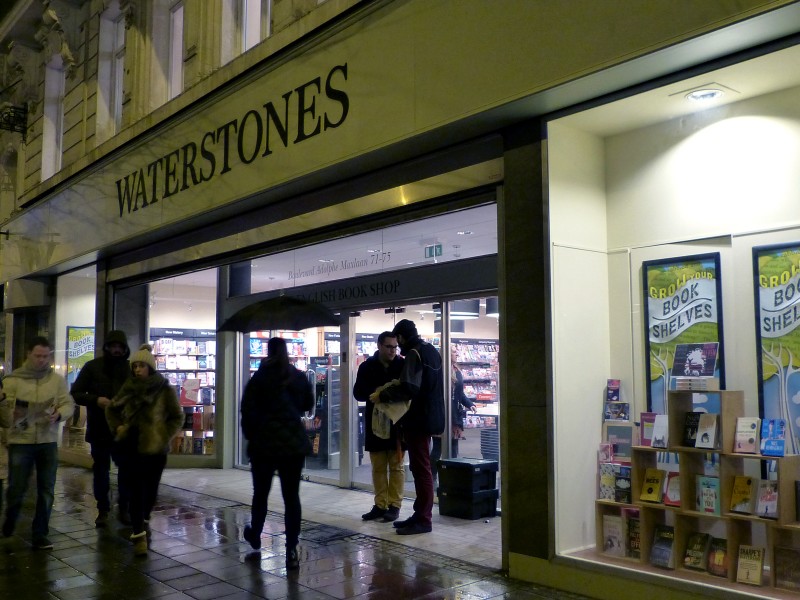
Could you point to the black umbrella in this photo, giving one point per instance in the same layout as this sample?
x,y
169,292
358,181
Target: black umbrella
x,y
280,312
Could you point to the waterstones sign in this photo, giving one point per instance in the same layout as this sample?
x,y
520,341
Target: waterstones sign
x,y
250,137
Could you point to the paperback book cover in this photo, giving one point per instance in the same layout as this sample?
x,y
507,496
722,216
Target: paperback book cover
x,y
612,390
622,484
691,424
745,438
708,494
750,566
787,567
718,557
767,503
707,431
607,480
632,526
660,432
696,556
613,535
773,437
622,436
672,489
661,552
652,485
743,494
646,421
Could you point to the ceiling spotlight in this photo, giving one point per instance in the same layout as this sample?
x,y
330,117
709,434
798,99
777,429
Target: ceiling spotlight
x,y
704,95
465,232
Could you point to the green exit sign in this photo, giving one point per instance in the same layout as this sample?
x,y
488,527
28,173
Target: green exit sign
x,y
433,250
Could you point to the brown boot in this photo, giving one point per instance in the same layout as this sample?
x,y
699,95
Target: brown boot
x,y
139,543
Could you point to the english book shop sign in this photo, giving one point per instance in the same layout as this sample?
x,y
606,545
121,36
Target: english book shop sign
x,y
777,302
252,136
683,313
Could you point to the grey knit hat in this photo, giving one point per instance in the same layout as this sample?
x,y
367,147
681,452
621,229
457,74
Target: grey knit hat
x,y
144,355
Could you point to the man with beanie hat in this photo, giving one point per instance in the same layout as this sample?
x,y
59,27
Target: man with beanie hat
x,y
98,382
421,381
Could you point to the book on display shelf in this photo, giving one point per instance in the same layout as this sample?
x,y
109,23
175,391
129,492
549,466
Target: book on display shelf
x,y
605,452
718,557
612,390
646,421
745,440
623,437
773,437
633,532
662,550
607,478
622,484
743,494
672,489
750,566
708,494
660,432
767,499
653,485
696,555
787,567
613,535
707,431
691,424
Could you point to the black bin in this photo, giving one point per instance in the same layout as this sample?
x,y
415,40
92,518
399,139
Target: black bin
x,y
467,474
468,505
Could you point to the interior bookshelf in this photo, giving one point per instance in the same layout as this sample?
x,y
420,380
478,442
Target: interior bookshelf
x,y
295,345
736,528
187,359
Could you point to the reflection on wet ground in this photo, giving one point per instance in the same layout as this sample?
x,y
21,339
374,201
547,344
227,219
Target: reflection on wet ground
x,y
196,552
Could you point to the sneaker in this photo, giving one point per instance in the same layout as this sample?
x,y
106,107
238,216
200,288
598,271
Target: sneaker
x,y
400,524
392,514
42,543
139,544
250,535
375,513
414,529
292,559
102,519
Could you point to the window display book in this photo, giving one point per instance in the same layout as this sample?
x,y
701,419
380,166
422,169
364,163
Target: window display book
x,y
767,503
745,440
690,427
708,494
773,437
707,431
633,530
696,555
718,557
660,432
743,494
652,485
646,422
614,535
787,567
750,566
661,552
623,436
672,489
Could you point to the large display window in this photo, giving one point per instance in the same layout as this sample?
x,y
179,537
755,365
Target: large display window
x,y
646,179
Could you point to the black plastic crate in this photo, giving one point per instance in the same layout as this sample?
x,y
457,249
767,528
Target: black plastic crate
x,y
468,505
467,474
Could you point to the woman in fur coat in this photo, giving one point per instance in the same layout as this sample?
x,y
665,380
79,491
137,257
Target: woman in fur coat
x,y
144,416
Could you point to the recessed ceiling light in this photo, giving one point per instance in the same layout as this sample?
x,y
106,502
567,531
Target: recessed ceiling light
x,y
704,95
465,232
325,260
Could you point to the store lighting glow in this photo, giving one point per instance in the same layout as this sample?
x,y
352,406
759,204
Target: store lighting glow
x,y
464,232
704,95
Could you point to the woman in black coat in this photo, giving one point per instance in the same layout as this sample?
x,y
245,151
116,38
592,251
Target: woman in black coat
x,y
274,401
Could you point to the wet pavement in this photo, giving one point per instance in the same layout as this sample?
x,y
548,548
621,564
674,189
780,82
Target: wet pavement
x,y
196,552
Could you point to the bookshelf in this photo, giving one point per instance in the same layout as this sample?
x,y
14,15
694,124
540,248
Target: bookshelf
x,y
736,528
478,361
187,358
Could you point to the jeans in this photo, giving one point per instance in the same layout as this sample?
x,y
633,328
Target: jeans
x,y
289,469
420,464
388,477
22,458
102,455
436,453
144,475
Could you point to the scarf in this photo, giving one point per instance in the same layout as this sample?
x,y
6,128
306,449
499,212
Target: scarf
x,y
27,371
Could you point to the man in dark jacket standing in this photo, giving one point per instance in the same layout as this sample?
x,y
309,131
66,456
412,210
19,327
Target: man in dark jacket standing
x,y
385,455
421,381
98,382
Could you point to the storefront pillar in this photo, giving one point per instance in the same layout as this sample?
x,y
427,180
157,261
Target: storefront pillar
x,y
523,280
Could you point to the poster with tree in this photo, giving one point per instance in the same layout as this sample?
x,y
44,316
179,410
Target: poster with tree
x,y
777,303
683,313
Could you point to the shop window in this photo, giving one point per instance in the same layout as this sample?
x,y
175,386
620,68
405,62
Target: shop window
x,y
53,117
74,341
455,236
110,70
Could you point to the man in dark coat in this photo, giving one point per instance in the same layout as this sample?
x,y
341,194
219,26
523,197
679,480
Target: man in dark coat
x,y
98,382
422,382
385,455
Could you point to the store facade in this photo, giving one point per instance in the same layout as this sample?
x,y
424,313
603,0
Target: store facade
x,y
359,132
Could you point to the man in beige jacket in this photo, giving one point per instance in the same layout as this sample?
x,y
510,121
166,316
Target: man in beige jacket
x,y
36,402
